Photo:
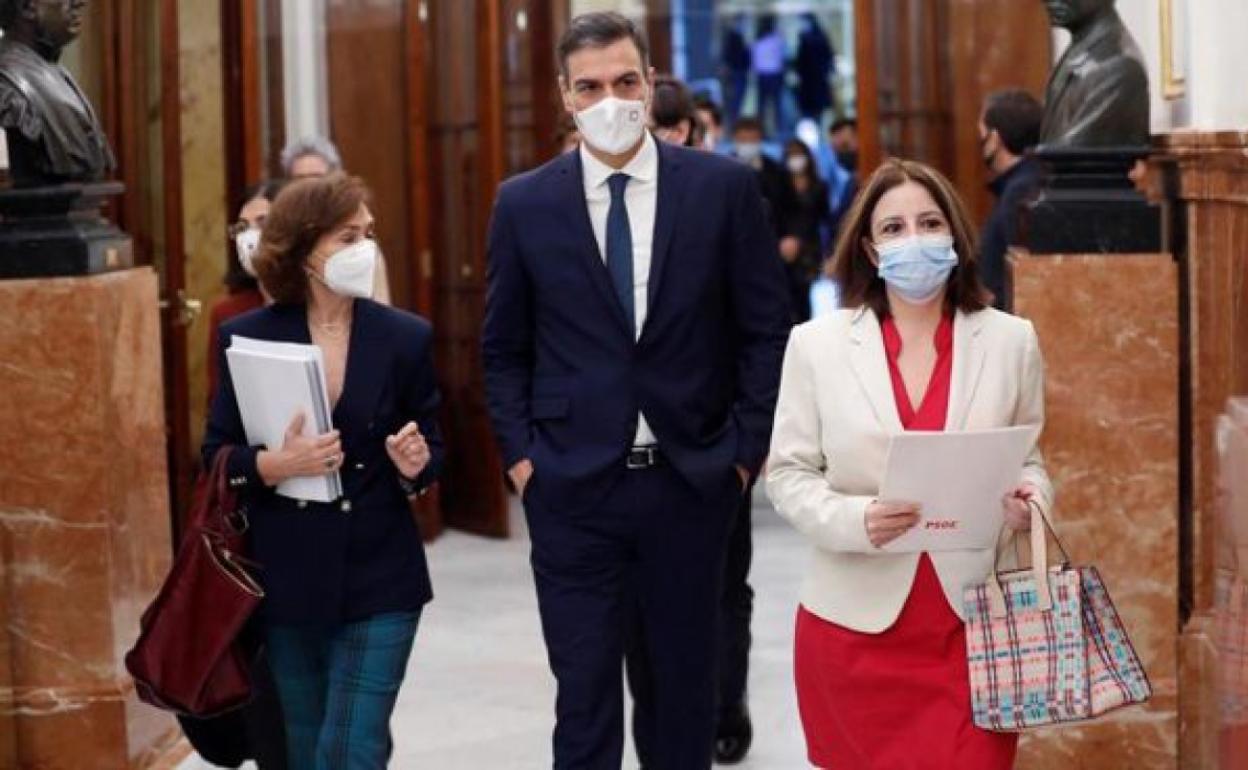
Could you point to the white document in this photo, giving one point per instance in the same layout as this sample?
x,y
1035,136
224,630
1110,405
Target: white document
x,y
273,382
959,479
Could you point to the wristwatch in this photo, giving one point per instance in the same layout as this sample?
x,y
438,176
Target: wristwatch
x,y
411,487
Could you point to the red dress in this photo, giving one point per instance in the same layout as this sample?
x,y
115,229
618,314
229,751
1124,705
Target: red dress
x,y
900,699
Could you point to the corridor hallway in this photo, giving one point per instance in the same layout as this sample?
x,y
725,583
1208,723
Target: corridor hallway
x,y
478,692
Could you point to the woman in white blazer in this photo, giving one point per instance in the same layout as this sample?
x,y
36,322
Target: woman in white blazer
x,y
880,656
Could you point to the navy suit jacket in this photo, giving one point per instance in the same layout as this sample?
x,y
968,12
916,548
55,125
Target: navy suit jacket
x,y
361,555
564,376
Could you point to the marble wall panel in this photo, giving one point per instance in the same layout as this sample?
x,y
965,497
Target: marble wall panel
x,y
1108,328
84,518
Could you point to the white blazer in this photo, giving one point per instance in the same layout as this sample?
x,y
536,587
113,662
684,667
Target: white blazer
x,y
828,445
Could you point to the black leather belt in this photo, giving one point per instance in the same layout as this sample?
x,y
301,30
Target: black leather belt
x,y
641,457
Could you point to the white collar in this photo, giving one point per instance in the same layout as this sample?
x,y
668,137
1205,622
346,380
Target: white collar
x,y
643,167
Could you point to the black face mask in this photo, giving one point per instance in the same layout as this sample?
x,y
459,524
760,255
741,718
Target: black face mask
x,y
848,159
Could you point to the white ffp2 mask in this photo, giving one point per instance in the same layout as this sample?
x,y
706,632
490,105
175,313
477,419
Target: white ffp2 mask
x,y
349,271
246,243
613,125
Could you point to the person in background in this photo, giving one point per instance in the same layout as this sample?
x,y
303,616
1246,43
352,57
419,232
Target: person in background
x,y
747,146
345,581
1009,126
243,292
880,645
734,64
318,156
808,224
712,120
815,63
310,156
843,142
768,60
673,118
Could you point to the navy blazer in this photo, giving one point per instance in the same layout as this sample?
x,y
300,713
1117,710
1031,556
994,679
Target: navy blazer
x,y
564,375
361,555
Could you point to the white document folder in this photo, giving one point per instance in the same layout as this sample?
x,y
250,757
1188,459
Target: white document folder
x,y
959,479
274,381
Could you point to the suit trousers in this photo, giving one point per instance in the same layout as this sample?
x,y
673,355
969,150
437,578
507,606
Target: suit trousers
x,y
656,544
732,647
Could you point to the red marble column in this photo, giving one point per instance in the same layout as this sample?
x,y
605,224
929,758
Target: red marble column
x,y
84,518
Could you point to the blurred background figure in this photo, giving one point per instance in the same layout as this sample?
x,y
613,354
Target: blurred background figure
x,y
318,156
310,156
673,117
735,61
768,58
243,292
711,118
815,63
808,224
843,181
748,140
1009,126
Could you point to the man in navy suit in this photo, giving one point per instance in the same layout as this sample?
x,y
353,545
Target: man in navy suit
x,y
635,325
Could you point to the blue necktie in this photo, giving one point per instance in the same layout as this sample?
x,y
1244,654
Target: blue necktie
x,y
620,247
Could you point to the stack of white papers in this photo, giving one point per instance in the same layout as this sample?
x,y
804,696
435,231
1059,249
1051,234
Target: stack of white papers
x,y
960,479
273,382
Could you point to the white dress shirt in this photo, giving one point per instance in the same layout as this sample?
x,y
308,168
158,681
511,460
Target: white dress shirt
x,y
641,198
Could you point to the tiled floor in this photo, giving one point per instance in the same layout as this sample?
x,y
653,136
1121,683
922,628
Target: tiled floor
x,y
479,694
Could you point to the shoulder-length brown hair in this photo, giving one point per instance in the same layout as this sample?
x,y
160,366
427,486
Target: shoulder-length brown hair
x,y
303,212
851,267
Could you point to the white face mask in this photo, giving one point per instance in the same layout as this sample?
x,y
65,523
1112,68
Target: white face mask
x,y
349,271
796,164
612,126
246,244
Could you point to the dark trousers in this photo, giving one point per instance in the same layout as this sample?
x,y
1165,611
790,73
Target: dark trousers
x,y
656,544
732,648
338,686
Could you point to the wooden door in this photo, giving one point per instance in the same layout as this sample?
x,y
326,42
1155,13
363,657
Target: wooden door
x,y
129,60
465,163
924,68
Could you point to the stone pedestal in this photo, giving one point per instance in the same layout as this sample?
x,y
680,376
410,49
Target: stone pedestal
x,y
1109,332
84,518
59,230
1087,204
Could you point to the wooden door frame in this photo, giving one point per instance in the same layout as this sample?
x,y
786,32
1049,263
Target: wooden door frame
x,y
867,88
240,68
127,57
182,467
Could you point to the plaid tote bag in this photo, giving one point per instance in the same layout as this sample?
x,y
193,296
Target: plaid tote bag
x,y
1045,645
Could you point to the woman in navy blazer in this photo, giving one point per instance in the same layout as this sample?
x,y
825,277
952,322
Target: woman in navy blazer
x,y
344,581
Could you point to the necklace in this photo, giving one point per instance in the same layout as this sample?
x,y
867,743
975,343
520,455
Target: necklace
x,y
334,330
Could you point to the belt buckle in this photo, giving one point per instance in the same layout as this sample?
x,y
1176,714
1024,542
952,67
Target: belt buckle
x,y
640,458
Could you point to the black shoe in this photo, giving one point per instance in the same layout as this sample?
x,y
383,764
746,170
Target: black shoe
x,y
733,736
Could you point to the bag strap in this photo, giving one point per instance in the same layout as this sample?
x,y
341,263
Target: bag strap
x,y
1040,527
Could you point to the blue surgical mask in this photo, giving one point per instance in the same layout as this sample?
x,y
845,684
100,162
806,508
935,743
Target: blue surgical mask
x,y
918,267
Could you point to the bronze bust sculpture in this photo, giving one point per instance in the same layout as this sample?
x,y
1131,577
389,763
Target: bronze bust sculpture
x,y
1098,93
53,134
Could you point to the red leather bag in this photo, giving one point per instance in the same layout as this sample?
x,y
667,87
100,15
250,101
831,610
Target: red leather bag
x,y
188,658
